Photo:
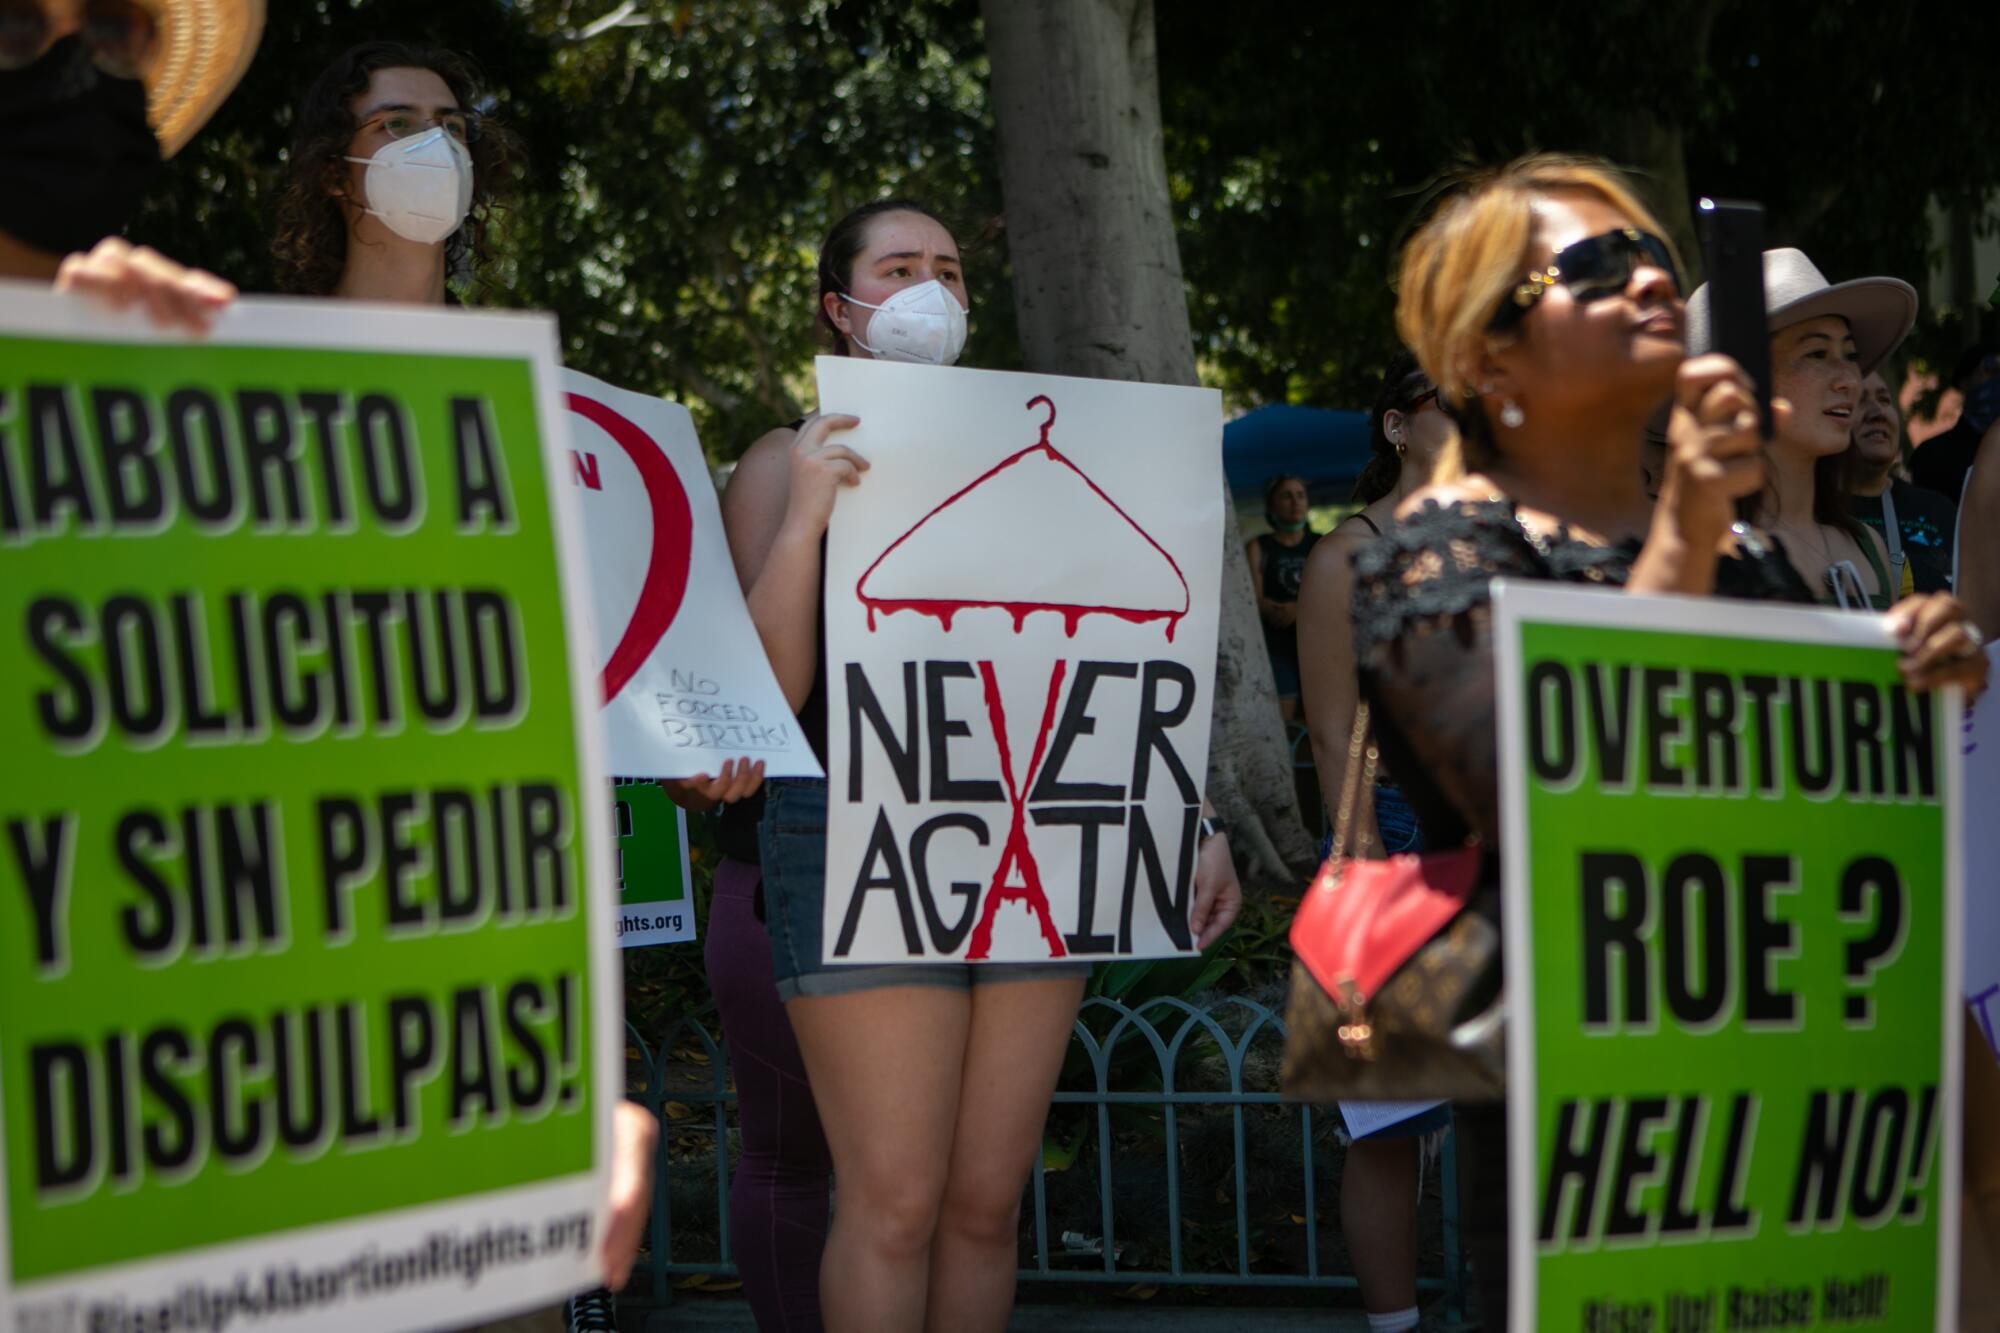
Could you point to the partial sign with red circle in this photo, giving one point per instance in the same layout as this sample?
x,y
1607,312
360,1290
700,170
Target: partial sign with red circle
x,y
1021,605
681,672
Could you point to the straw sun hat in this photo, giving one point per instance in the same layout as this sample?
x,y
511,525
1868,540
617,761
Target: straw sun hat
x,y
205,45
1880,311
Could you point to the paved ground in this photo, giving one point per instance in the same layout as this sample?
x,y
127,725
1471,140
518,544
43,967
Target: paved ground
x,y
711,1315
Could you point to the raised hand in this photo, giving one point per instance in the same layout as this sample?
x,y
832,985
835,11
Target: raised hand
x,y
1715,456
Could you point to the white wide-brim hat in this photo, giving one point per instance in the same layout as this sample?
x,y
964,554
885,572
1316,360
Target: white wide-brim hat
x,y
1879,311
205,45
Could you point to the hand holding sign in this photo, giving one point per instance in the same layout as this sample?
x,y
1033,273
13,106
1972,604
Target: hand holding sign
x,y
818,471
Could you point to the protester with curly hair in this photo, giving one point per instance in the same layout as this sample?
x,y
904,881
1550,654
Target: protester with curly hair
x,y
395,174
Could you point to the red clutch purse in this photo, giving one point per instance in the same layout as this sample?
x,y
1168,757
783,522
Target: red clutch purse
x,y
1396,985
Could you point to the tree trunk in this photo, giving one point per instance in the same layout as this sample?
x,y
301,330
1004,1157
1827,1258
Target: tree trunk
x,y
1653,149
1649,140
1098,292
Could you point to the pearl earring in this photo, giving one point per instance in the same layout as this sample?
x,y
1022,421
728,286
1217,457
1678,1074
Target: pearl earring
x,y
1511,415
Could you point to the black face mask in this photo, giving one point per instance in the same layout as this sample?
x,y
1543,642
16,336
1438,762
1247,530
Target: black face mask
x,y
76,152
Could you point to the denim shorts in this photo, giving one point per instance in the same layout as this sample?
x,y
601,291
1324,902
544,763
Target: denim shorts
x,y
1394,819
792,843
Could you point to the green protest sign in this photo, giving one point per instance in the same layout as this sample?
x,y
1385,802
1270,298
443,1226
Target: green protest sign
x,y
306,1010
1731,912
654,903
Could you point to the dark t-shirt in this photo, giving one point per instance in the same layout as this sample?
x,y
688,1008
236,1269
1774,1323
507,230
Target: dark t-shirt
x,y
1926,522
1284,569
1939,463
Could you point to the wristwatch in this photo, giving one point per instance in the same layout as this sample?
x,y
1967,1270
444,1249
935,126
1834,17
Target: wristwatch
x,y
1211,825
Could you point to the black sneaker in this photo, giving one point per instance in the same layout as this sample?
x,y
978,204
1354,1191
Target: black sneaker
x,y
592,1311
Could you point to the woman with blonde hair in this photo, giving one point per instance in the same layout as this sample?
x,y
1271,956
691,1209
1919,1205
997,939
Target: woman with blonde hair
x,y
1543,302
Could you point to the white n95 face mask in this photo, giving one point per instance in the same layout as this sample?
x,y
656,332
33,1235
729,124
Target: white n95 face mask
x,y
421,187
923,324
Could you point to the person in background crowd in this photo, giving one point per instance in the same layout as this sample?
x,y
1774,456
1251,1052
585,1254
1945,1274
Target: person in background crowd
x,y
781,1190
1978,559
933,1081
1824,339
1381,1178
393,178
90,106
1939,463
1916,525
1277,564
1543,303
389,184
1407,433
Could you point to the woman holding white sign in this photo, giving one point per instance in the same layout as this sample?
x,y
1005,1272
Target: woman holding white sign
x,y
932,1080
1544,304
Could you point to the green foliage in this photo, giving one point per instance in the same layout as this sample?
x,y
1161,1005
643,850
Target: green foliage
x,y
682,166
684,158
1303,141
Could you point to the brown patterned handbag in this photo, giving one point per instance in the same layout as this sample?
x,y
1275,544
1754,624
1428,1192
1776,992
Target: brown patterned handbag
x,y
1396,985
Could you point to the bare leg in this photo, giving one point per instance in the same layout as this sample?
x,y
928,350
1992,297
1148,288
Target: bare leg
x,y
885,1067
1014,1051
1378,1215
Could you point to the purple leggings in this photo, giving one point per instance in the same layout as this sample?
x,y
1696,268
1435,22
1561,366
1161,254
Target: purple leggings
x,y
778,1198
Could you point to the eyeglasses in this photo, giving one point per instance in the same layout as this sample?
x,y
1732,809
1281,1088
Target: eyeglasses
x,y
1591,269
460,125
1430,395
120,35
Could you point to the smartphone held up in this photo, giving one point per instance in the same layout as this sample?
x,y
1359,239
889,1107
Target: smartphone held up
x,y
1732,244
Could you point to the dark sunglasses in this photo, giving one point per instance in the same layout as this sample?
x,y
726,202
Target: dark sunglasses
x,y
1431,395
120,35
1592,269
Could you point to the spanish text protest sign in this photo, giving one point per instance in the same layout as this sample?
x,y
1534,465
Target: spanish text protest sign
x,y
1732,925
682,672
307,1011
1020,610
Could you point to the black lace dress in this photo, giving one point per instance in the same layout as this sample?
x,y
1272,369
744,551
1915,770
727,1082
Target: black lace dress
x,y
1423,640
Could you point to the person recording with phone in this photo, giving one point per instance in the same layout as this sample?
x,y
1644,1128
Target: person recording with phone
x,y
1542,301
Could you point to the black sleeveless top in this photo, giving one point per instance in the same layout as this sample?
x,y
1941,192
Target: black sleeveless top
x,y
1283,569
736,825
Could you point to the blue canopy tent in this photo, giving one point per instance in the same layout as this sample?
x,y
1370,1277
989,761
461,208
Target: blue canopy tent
x,y
1325,446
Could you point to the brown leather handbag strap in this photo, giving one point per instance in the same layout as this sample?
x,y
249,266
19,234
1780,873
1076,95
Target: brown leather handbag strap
x,y
1361,762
